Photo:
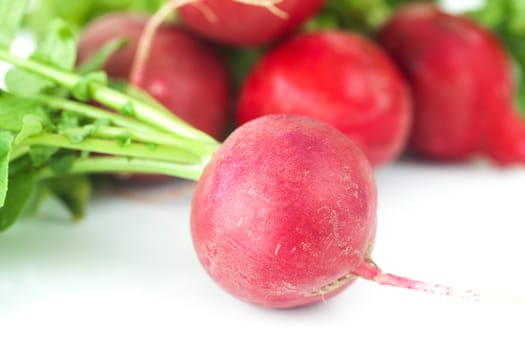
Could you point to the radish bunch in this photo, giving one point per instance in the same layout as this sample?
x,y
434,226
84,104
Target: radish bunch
x,y
181,73
462,85
284,213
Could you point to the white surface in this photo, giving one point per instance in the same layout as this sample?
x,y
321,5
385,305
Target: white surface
x,y
127,277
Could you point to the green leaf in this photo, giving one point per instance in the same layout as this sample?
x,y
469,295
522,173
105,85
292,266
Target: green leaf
x,y
506,19
68,120
20,82
240,62
77,135
102,122
124,139
21,186
13,109
74,192
148,6
40,193
6,141
358,15
62,165
79,12
128,109
40,155
82,90
11,14
58,47
99,58
32,125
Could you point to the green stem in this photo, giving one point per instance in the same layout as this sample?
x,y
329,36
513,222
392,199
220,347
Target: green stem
x,y
163,153
154,138
151,115
92,112
137,130
126,165
17,152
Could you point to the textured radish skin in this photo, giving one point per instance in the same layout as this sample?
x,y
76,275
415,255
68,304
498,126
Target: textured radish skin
x,y
284,211
246,25
337,77
462,86
183,73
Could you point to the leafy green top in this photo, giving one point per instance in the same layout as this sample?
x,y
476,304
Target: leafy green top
x,y
78,13
507,19
51,136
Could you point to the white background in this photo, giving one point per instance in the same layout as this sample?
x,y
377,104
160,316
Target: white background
x,y
127,276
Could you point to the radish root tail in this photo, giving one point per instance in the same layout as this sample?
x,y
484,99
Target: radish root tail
x,y
370,271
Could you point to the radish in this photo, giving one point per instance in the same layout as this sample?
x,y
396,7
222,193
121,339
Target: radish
x,y
185,74
284,214
340,78
462,85
181,74
242,24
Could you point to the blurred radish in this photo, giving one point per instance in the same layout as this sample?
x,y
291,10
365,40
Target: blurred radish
x,y
340,78
241,23
183,73
462,85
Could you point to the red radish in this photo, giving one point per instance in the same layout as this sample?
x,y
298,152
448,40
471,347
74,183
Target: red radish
x,y
462,86
284,215
183,73
243,24
340,78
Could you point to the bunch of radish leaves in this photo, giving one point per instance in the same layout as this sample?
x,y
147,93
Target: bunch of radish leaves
x,y
51,135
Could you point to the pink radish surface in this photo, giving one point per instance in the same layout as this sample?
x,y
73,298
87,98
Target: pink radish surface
x,y
185,74
243,24
462,85
285,208
337,77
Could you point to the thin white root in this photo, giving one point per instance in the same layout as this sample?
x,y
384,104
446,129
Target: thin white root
x,y
206,11
148,34
268,4
146,38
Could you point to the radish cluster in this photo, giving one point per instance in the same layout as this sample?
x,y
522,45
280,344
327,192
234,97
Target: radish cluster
x,y
284,214
337,77
462,85
182,71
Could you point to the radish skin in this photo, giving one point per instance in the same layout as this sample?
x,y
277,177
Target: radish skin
x,y
286,207
182,72
337,77
240,23
462,86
